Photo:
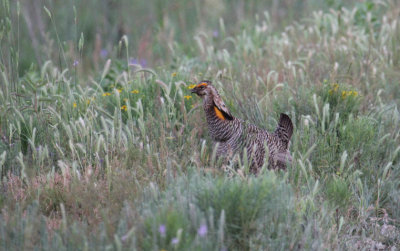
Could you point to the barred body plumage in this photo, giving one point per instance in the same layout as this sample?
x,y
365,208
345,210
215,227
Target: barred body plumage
x,y
235,136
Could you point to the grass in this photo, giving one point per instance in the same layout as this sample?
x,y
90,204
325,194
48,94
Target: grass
x,y
103,147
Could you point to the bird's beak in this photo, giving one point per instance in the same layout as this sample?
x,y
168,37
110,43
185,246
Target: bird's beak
x,y
193,90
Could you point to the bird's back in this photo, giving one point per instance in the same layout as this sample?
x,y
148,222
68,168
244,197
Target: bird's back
x,y
277,142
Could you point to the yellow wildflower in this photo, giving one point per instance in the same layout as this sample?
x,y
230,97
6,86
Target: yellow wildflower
x,y
124,108
90,100
119,90
74,105
106,94
187,97
135,91
191,86
355,94
344,94
335,87
173,74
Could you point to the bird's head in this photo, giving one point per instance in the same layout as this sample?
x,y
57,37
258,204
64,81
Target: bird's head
x,y
211,98
203,88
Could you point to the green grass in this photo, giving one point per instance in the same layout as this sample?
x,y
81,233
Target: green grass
x,y
102,145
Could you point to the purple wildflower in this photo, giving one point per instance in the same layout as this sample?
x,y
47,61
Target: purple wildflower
x,y
142,62
202,231
103,53
133,61
174,241
162,230
215,33
76,62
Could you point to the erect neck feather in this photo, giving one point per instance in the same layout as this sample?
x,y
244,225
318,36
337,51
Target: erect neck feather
x,y
212,110
218,113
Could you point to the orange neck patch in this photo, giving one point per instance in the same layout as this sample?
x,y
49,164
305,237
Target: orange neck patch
x,y
202,84
219,113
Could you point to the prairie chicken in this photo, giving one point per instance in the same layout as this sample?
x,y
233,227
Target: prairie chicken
x,y
234,135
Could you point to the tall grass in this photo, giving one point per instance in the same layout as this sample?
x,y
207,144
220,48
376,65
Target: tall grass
x,y
113,152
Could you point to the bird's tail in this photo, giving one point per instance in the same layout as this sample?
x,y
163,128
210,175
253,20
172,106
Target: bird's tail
x,y
284,130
